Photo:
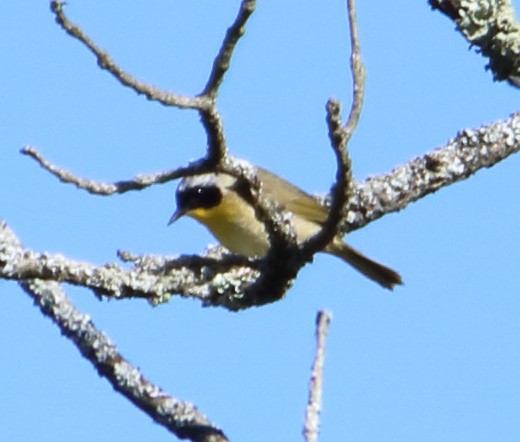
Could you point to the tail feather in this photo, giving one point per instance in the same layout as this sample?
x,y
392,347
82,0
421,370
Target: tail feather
x,y
379,273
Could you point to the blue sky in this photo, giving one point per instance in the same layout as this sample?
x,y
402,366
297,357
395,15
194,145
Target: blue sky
x,y
438,359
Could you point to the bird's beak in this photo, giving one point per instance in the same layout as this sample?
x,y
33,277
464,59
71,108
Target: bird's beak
x,y
176,215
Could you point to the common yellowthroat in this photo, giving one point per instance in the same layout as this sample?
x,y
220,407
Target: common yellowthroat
x,y
217,201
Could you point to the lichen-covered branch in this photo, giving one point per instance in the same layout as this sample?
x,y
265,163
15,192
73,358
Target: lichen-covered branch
x,y
157,278
468,152
239,285
180,418
490,26
214,279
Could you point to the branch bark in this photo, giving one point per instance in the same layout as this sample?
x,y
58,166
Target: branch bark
x,y
217,284
491,27
219,279
312,412
179,417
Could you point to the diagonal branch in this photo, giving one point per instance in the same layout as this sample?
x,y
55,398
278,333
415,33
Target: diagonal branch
x,y
180,418
223,59
101,188
491,27
104,61
468,152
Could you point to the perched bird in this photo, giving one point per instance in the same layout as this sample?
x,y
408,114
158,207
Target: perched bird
x,y
218,201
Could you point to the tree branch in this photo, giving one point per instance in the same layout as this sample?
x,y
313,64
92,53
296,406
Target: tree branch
x,y
105,62
254,283
234,288
339,136
491,27
312,412
181,418
215,279
101,188
223,59
468,152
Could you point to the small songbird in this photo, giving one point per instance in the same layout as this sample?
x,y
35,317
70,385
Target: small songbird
x,y
218,201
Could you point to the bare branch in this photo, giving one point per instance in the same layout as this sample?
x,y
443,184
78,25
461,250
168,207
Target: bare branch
x,y
204,103
312,412
340,136
470,151
358,73
101,188
216,144
247,283
215,279
490,26
105,62
179,417
223,59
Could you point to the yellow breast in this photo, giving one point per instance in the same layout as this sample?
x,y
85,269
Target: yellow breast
x,y
234,225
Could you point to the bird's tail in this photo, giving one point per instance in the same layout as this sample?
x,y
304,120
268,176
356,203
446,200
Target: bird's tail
x,y
379,273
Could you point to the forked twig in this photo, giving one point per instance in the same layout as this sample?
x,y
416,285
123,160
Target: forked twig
x,y
339,136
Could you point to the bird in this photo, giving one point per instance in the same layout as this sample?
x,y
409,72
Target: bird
x,y
219,201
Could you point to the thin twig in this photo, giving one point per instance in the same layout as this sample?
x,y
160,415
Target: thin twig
x,y
358,73
312,412
102,188
223,59
340,136
105,62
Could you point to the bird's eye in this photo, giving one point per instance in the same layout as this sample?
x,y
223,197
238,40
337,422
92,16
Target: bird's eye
x,y
203,197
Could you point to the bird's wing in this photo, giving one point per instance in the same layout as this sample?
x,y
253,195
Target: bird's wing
x,y
291,197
